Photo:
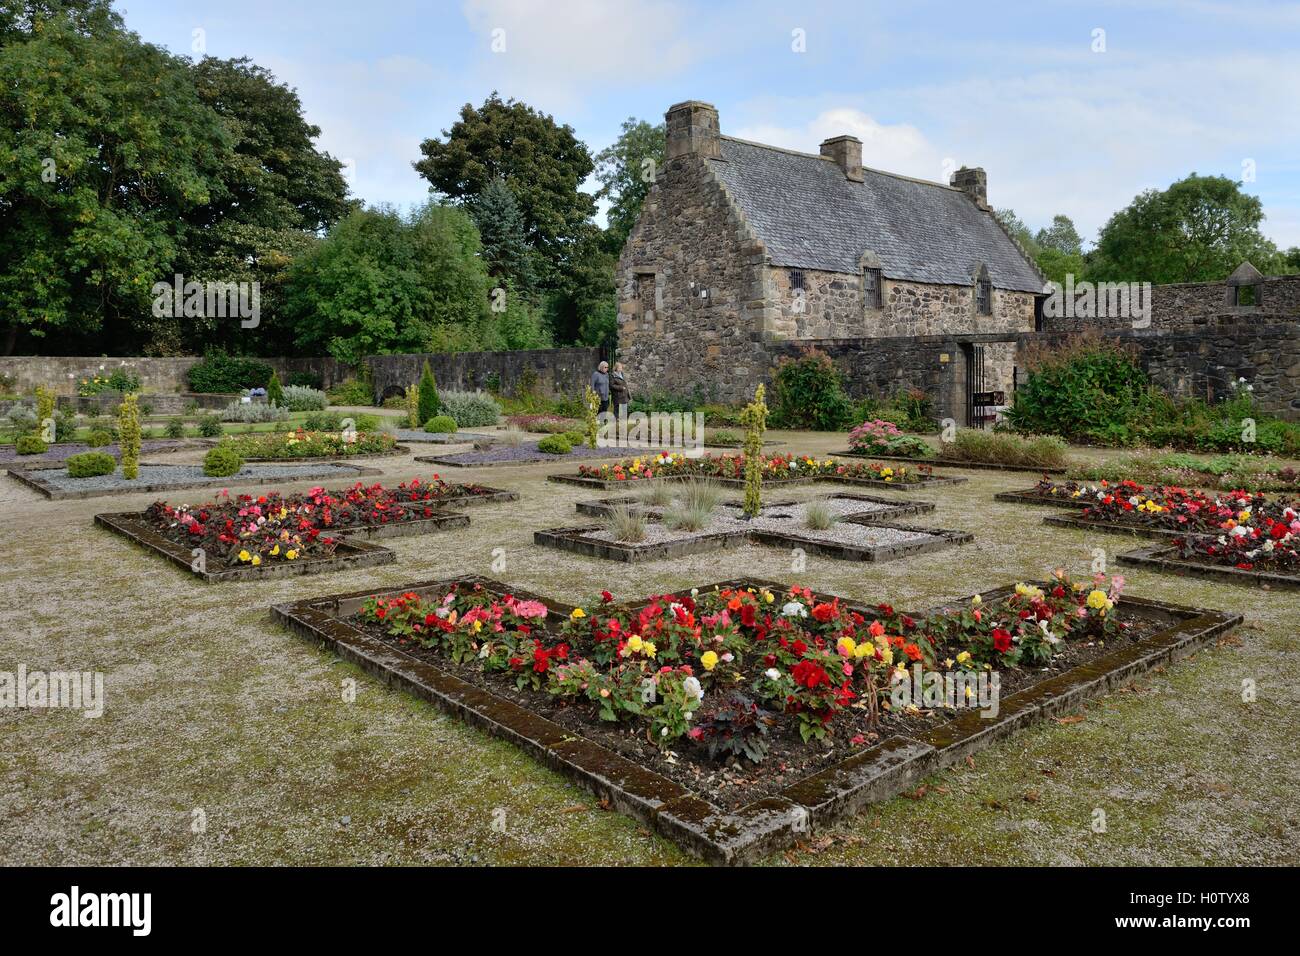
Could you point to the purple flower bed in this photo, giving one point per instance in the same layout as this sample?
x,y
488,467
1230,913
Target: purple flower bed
x,y
527,451
67,449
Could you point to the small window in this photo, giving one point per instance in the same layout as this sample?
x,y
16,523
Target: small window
x,y
1246,295
871,288
984,297
796,279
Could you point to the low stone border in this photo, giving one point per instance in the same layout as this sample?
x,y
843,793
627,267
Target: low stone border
x,y
893,509
600,484
1111,527
579,541
488,496
772,823
31,478
442,438
160,446
1030,497
350,554
949,463
1166,559
315,459
448,461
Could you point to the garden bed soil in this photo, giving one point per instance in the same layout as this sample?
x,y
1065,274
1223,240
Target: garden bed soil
x,y
735,816
154,477
1167,559
601,484
954,463
1112,527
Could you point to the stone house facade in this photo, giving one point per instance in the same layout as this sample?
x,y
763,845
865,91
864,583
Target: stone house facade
x,y
743,247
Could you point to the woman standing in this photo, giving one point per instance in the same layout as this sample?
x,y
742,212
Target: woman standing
x,y
618,391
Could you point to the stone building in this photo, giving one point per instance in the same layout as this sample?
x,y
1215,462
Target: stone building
x,y
742,249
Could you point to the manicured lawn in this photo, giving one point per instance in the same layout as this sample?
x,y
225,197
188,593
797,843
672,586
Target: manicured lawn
x,y
212,706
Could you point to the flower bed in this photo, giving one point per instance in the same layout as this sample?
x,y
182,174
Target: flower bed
x,y
55,482
777,469
521,454
1221,473
287,446
970,448
271,531
737,717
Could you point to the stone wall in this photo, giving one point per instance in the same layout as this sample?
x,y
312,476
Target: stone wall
x,y
915,308
161,375
828,306
554,371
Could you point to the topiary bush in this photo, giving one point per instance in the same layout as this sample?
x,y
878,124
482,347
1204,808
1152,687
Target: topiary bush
x,y
128,436
219,372
440,425
210,425
555,445
808,392
470,409
222,461
175,428
274,390
99,438
428,388
90,464
30,445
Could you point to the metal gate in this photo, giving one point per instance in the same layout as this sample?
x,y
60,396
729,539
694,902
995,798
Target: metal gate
x,y
975,410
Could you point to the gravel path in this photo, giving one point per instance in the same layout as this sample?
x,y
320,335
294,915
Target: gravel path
x,y
65,450
191,476
527,451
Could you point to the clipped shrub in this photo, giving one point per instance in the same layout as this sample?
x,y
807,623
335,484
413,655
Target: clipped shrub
x,y
253,413
429,403
31,445
469,409
808,392
222,461
99,438
90,464
274,390
300,398
219,372
574,436
128,436
210,425
411,403
352,391
555,445
323,422
45,401
175,428
440,424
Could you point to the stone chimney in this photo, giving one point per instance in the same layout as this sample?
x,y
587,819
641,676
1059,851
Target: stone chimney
x,y
692,129
846,151
973,183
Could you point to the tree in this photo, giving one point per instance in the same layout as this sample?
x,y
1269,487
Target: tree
x,y
1016,226
380,283
1198,230
105,148
626,170
541,162
1061,237
429,404
583,308
504,236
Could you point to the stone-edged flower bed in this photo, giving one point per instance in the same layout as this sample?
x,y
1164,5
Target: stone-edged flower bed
x,y
274,535
522,454
1188,558
58,484
303,445
61,451
572,687
890,508
954,463
728,470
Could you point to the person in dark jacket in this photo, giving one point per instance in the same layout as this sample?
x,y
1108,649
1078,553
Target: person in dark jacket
x,y
600,384
619,395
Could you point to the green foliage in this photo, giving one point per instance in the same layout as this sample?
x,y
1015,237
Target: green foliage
x,y
626,169
128,435
504,235
300,398
471,409
810,394
275,391
754,418
219,372
175,428
90,464
429,405
222,461
351,391
30,445
591,409
411,404
99,437
440,425
1004,448
1198,230
1088,387
252,413
209,425
555,445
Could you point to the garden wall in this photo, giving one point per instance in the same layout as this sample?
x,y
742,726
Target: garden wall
x,y
555,371
163,375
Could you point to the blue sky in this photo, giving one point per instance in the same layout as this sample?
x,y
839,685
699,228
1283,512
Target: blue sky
x,y
1023,89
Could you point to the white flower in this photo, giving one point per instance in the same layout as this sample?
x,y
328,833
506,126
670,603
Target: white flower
x,y
772,673
693,688
663,732
794,609
443,612
687,716
1240,531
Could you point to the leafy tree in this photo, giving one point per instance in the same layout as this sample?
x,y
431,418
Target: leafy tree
x,y
541,162
1197,230
626,169
105,148
501,228
428,403
584,307
380,283
1016,226
1060,237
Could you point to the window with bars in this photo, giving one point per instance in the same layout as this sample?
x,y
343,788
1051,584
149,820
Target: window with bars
x,y
984,297
871,296
796,279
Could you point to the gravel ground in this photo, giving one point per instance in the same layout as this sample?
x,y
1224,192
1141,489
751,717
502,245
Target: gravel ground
x,y
189,476
65,450
527,451
442,438
212,707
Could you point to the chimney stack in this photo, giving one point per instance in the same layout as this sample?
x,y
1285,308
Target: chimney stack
x,y
692,130
973,183
846,151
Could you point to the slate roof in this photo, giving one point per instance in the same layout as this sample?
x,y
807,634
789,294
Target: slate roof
x,y
811,216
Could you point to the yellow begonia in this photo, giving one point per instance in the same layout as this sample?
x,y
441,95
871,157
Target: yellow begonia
x,y
634,642
1098,601
577,613
244,556
709,659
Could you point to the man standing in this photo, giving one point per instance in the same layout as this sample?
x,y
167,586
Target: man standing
x,y
600,384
